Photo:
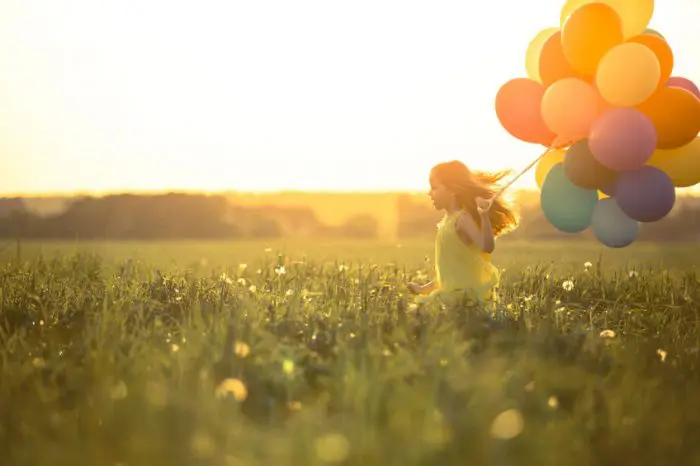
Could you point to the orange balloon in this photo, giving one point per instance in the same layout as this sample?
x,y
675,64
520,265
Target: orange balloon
x,y
662,51
518,108
675,113
553,64
569,107
588,34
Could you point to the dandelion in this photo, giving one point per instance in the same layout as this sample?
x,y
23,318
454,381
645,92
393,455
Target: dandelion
x,y
289,292
232,387
280,270
288,366
662,354
343,268
241,281
553,402
587,265
332,448
174,348
568,285
607,334
240,349
507,425
633,274
253,288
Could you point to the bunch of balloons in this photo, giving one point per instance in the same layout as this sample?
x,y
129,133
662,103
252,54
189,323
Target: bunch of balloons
x,y
621,131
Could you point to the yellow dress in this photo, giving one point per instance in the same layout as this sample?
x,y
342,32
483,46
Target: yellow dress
x,y
464,273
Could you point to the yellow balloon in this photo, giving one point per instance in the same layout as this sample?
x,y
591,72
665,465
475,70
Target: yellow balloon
x,y
682,165
534,49
628,74
550,159
635,14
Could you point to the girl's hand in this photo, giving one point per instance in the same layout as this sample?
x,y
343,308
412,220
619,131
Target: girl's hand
x,y
483,205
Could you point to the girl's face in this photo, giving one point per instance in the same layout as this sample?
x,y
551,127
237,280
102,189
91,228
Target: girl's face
x,y
441,196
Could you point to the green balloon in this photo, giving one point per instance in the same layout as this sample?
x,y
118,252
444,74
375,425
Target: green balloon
x,y
566,206
654,32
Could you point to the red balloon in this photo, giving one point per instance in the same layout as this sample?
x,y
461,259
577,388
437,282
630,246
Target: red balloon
x,y
518,105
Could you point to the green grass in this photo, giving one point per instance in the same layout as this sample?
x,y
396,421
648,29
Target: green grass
x,y
169,359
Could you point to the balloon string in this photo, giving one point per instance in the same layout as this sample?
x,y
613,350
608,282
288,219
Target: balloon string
x,y
525,170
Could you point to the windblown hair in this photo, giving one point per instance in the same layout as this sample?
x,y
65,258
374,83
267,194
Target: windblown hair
x,y
468,185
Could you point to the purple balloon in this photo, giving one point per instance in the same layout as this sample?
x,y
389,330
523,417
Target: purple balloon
x,y
645,195
683,83
622,139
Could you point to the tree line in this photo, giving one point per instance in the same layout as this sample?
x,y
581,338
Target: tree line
x,y
198,216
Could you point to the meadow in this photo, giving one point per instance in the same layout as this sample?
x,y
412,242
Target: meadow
x,y
312,353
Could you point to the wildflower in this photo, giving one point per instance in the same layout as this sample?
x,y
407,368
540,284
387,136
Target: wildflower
x,y
662,354
507,425
240,349
288,367
225,278
241,281
39,363
568,285
294,405
607,334
587,265
268,249
633,274
280,270
174,348
242,267
343,268
253,288
233,387
553,402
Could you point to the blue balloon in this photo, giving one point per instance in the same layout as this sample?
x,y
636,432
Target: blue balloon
x,y
566,206
611,226
654,32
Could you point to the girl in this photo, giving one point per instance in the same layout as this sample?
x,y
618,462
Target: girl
x,y
465,237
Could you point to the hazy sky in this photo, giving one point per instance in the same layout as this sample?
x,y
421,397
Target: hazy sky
x,y
99,95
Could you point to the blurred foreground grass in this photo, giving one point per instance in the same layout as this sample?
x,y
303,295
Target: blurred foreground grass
x,y
318,357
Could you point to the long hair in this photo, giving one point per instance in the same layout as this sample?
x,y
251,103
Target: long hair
x,y
467,186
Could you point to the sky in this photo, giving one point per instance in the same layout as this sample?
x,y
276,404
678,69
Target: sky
x,y
101,96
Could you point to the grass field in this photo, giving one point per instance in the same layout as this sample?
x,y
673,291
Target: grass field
x,y
301,353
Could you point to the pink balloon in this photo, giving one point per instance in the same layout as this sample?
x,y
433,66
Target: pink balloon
x,y
683,83
622,139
